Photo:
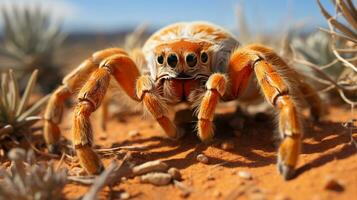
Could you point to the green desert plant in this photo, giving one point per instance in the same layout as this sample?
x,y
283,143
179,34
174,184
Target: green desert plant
x,y
16,115
27,180
30,40
331,54
316,49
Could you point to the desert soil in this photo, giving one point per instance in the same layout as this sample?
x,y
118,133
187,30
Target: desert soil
x,y
326,155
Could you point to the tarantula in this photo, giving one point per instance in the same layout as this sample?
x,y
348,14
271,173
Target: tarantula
x,y
198,63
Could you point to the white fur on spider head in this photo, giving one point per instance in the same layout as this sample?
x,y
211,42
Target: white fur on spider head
x,y
221,46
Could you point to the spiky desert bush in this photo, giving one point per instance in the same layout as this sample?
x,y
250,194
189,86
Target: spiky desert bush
x,y
27,180
30,40
16,115
344,30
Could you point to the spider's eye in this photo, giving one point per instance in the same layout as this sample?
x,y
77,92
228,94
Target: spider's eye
x,y
191,60
172,60
204,57
160,59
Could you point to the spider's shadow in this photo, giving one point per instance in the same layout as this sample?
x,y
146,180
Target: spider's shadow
x,y
257,135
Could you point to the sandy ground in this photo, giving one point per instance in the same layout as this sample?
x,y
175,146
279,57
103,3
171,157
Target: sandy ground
x,y
326,154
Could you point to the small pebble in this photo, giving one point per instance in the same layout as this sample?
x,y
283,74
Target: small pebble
x,y
134,133
210,177
156,178
184,194
217,194
124,195
175,173
102,138
227,145
202,158
151,166
281,197
245,175
332,184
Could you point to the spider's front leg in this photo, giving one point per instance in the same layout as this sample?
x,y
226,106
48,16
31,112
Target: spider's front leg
x,y
216,87
154,103
89,99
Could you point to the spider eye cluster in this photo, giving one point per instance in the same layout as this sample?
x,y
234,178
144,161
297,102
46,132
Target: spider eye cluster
x,y
191,59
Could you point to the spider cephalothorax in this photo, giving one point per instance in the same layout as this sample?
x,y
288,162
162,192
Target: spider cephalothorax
x,y
198,63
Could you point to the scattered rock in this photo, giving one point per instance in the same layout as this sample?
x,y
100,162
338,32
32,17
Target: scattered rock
x,y
217,194
210,177
202,158
245,175
282,197
124,195
134,133
185,190
332,184
184,194
102,137
151,166
227,145
156,178
175,173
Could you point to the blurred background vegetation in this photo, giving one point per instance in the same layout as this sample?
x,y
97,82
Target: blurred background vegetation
x,y
54,37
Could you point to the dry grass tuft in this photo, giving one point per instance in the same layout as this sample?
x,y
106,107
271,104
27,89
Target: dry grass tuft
x,y
16,115
28,180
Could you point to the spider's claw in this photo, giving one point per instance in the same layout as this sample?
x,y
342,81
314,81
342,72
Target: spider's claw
x,y
287,157
288,172
89,159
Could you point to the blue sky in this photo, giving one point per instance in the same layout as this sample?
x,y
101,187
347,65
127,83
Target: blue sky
x,y
108,15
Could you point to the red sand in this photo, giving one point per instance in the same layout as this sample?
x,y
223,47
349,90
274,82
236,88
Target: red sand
x,y
326,153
